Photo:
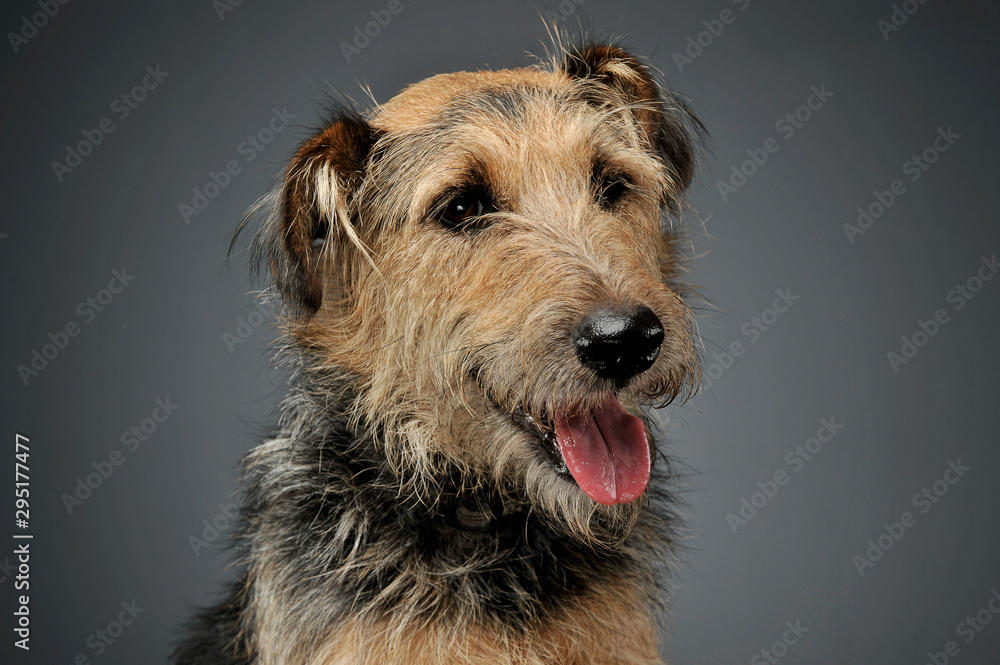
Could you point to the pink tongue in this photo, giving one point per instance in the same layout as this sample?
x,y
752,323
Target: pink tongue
x,y
607,452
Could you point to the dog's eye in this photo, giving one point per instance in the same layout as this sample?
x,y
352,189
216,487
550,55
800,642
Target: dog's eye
x,y
610,190
465,211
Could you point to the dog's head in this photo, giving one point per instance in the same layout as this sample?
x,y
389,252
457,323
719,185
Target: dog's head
x,y
485,259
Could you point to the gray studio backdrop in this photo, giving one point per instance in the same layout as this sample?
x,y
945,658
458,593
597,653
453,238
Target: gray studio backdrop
x,y
841,463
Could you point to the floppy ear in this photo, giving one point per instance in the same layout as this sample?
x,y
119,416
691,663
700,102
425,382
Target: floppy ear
x,y
663,116
313,208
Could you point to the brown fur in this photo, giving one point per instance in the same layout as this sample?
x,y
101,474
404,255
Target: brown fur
x,y
582,636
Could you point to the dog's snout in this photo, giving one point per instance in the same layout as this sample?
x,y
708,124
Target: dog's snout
x,y
619,343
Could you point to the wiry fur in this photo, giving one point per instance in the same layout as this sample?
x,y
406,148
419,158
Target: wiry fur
x,y
400,515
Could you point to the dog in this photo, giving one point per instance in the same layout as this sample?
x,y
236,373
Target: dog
x,y
481,287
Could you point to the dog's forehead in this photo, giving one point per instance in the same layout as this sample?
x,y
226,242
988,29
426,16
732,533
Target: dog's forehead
x,y
440,98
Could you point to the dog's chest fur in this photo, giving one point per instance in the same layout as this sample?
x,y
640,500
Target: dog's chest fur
x,y
393,581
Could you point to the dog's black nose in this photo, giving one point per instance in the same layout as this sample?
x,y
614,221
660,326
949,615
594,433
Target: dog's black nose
x,y
619,343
